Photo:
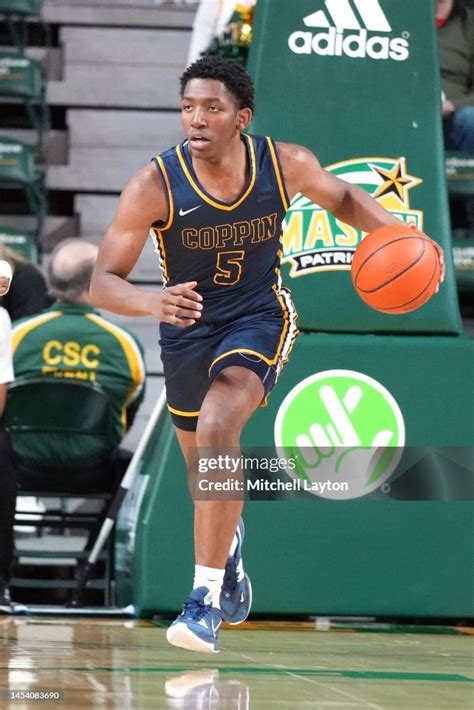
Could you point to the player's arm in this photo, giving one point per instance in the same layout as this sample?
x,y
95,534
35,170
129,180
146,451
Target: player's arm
x,y
141,204
349,203
303,174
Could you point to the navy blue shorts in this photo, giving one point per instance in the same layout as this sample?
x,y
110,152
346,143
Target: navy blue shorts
x,y
192,357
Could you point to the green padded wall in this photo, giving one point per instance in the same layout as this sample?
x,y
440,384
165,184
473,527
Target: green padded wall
x,y
377,554
357,82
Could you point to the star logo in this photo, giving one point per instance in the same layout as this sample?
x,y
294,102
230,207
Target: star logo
x,y
314,241
396,182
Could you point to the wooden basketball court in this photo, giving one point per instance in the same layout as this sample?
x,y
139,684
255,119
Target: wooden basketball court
x,y
119,663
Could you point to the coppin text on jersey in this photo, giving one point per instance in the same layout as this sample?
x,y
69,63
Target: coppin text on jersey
x,y
237,234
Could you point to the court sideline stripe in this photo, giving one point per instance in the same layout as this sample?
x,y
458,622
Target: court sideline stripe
x,y
366,675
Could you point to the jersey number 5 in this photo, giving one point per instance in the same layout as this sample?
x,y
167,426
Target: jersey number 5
x,y
228,267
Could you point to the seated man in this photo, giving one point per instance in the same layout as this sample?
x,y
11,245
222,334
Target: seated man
x,y
28,293
5,277
71,340
7,471
455,23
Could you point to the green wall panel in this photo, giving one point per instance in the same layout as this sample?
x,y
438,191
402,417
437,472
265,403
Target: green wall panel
x,y
373,555
373,119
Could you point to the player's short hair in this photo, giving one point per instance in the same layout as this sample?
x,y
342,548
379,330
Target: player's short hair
x,y
232,74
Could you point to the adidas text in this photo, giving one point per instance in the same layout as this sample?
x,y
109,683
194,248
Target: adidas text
x,y
358,45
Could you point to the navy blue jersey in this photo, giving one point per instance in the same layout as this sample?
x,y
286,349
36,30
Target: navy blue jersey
x,y
232,250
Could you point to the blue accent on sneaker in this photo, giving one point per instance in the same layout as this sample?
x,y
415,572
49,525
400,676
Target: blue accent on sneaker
x,y
197,626
236,594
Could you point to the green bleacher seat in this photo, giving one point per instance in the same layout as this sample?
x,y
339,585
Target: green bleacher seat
x,y
21,241
463,255
21,7
460,173
22,80
15,14
18,170
43,406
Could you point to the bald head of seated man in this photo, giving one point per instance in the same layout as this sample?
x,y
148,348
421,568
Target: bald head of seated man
x,y
70,269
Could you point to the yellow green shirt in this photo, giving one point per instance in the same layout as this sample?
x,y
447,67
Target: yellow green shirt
x,y
74,341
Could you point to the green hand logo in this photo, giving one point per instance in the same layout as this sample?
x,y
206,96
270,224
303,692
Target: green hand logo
x,y
340,426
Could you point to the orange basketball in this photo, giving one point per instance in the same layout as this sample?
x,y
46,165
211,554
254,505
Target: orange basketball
x,y
395,269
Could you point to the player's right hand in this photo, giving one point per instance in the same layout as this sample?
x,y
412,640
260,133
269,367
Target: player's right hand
x,y
178,305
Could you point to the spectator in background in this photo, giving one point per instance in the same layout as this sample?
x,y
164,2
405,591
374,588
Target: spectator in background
x,y
455,23
7,469
28,293
222,27
6,274
73,341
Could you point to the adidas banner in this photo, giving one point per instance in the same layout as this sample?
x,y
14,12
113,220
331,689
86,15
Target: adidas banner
x,y
357,83
327,32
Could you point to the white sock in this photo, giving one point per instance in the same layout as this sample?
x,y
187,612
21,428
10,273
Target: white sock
x,y
212,578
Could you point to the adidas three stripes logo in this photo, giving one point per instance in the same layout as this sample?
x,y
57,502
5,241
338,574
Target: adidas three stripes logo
x,y
370,16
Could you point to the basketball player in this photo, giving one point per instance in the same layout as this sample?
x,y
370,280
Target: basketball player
x,y
216,203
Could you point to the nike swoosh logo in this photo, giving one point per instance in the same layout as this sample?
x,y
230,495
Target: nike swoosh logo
x,y
206,625
182,212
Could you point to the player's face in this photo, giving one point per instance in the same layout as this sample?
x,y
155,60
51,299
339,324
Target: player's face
x,y
211,116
